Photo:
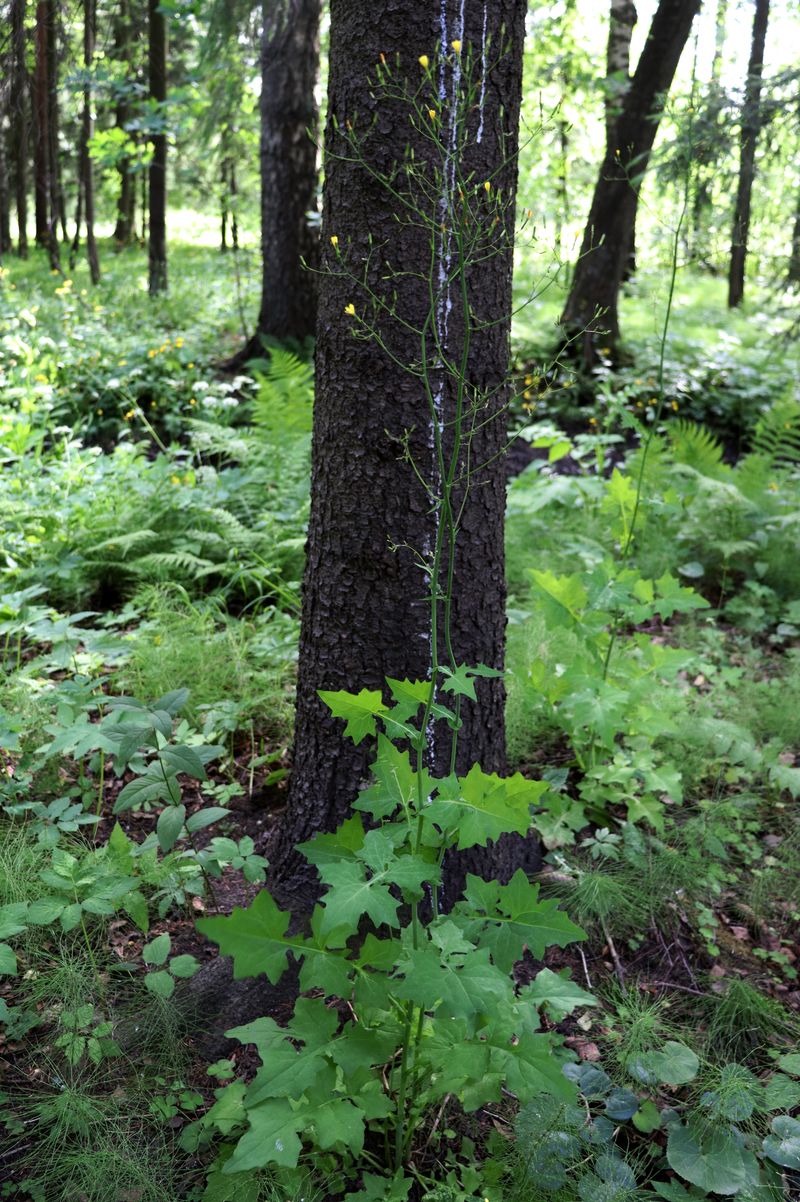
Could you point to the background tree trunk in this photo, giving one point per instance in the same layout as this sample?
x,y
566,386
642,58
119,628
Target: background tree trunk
x,y
58,209
751,126
5,209
288,162
124,229
86,135
157,71
41,155
591,311
19,123
366,613
621,22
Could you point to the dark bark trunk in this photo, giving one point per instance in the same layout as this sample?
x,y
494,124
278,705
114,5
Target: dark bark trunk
x,y
223,206
751,126
124,229
591,311
793,270
622,19
366,613
288,163
41,156
233,190
86,135
58,210
76,241
157,69
5,206
19,123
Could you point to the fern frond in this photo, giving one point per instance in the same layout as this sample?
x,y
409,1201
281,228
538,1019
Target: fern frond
x,y
694,446
777,434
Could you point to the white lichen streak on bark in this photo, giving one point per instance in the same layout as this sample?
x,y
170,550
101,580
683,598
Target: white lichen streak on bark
x,y
482,98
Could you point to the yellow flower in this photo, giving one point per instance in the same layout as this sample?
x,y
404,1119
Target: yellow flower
x,y
151,354
675,406
424,62
334,241
189,366
487,187
192,400
122,362
100,411
432,114
130,414
456,46
40,379
350,310
382,57
179,343
174,479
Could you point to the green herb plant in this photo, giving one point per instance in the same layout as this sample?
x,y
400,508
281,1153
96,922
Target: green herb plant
x,y
424,1014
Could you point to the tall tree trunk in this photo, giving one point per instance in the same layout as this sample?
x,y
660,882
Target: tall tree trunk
x,y
622,19
288,162
58,210
793,270
5,202
157,70
591,311
751,126
19,122
41,154
124,230
86,136
366,614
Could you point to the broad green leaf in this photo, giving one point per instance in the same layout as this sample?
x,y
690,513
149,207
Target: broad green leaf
x,y
352,893
157,950
710,1159
396,786
557,993
567,592
254,937
8,961
337,1122
382,1189
342,844
409,697
141,791
790,1063
184,966
172,702
160,983
203,818
782,1093
358,709
45,910
14,918
272,1137
287,1073
183,759
482,806
674,1064
509,918
169,826
783,1146
461,682
462,986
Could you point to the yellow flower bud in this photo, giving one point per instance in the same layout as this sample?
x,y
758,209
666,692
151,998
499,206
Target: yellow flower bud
x,y
424,62
487,187
456,46
334,241
432,114
350,310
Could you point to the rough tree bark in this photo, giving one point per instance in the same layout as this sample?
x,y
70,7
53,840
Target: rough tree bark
x,y
124,229
591,311
751,126
5,209
58,209
87,181
366,613
157,201
19,123
288,163
41,155
622,20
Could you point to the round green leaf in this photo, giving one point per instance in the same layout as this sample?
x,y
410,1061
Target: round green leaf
x,y
783,1146
160,983
8,961
184,966
711,1159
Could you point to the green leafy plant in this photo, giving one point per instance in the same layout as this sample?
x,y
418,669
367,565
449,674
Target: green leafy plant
x,y
431,1007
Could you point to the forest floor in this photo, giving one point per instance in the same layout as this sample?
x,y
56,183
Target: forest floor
x,y
152,516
